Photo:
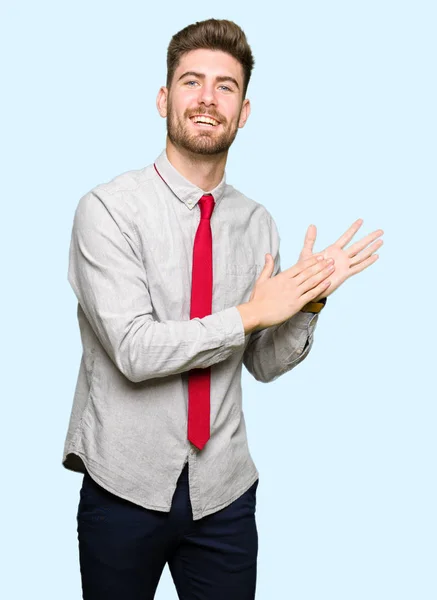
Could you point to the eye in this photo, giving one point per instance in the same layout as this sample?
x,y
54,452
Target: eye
x,y
190,82
226,88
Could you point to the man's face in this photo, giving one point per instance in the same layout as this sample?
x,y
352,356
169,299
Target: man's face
x,y
207,85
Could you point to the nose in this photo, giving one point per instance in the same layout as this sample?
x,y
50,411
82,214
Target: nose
x,y
207,94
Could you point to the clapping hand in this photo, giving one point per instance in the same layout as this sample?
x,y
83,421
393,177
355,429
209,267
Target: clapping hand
x,y
348,261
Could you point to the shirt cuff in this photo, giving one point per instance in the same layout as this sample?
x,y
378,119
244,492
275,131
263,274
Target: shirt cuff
x,y
233,329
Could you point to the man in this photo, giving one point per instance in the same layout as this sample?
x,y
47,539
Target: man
x,y
178,281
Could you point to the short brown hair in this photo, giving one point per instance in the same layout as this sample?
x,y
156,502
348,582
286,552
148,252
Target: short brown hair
x,y
212,34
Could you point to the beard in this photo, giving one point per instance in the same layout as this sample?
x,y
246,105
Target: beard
x,y
204,142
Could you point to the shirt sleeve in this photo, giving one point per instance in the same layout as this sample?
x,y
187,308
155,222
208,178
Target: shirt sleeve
x,y
109,279
273,351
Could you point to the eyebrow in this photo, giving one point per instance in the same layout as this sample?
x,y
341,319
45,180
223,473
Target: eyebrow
x,y
219,78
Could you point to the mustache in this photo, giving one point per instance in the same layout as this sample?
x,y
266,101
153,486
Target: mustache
x,y
211,113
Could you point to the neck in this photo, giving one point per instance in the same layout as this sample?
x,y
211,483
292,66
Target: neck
x,y
204,171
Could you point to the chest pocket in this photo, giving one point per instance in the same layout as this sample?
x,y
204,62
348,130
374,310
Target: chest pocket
x,y
239,282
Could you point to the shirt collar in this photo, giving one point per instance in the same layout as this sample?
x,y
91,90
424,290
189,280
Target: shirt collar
x,y
186,191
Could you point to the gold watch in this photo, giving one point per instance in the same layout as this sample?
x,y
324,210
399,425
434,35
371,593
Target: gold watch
x,y
314,307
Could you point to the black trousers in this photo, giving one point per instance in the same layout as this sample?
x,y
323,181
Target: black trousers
x,y
123,547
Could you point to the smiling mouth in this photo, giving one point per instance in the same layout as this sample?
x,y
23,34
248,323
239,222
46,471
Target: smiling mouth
x,y
203,120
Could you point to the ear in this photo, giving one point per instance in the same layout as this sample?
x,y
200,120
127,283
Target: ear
x,y
161,101
244,113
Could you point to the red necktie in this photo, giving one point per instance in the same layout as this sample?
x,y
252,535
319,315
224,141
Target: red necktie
x,y
201,305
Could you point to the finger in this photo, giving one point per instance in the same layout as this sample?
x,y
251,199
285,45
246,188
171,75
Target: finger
x,y
358,258
313,270
348,234
363,265
303,264
317,278
361,244
310,239
268,267
314,292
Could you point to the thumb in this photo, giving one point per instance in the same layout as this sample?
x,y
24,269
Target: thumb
x,y
268,267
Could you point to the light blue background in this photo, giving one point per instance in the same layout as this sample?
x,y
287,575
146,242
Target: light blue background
x,y
343,126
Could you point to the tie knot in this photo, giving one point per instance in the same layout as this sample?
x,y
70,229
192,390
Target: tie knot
x,y
206,204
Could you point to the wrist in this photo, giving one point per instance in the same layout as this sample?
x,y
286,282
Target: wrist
x,y
315,306
249,316
320,298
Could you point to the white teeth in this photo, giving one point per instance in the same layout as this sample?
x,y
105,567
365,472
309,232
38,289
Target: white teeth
x,y
205,120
